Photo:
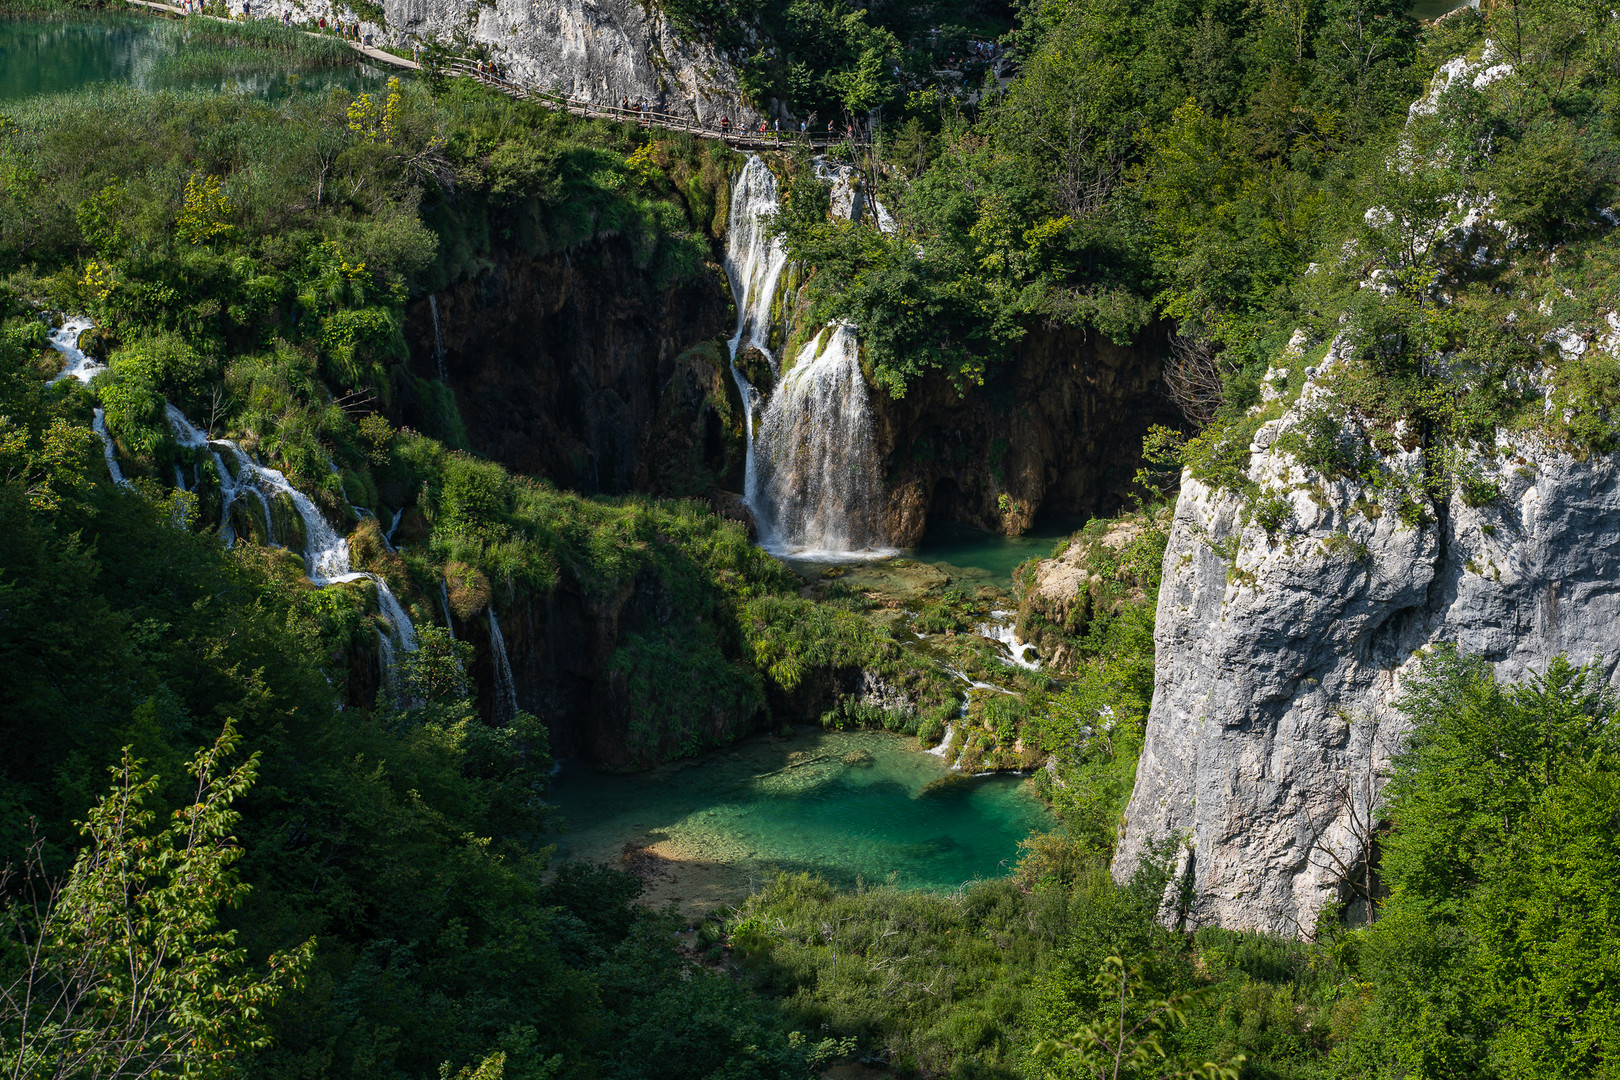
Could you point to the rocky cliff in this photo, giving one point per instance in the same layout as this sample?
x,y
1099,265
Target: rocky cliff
x,y
1287,622
575,368
598,51
1057,430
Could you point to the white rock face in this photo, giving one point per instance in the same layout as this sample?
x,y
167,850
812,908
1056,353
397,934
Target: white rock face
x,y
1273,707
597,51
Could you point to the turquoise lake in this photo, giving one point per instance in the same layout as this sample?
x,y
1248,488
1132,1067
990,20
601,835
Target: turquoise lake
x,y
848,806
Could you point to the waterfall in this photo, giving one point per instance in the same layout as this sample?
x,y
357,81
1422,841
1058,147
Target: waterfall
x,y
754,263
326,554
444,602
65,340
1001,631
817,490
99,422
438,339
506,706
810,473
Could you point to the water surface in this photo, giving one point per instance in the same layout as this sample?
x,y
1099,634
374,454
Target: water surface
x,y
845,805
52,55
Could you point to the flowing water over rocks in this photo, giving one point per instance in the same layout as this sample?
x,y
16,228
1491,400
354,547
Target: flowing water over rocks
x,y
506,703
816,471
812,476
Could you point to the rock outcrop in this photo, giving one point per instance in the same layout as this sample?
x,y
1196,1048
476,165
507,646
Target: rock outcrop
x,y
596,51
1281,651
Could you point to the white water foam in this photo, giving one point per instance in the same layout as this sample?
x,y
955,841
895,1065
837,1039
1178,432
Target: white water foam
x,y
1000,630
65,340
817,488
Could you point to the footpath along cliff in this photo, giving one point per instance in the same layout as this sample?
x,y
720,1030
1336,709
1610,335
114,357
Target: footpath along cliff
x,y
594,51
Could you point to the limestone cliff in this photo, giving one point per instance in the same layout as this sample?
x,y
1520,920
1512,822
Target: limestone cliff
x,y
598,51
1288,621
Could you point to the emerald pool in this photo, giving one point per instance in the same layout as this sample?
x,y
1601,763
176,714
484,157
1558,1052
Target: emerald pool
x,y
42,55
848,806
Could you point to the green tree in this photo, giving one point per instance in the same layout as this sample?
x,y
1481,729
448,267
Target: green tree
x,y
1126,1040
123,969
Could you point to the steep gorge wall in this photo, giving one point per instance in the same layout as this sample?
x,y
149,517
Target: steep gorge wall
x,y
1281,655
1056,430
576,368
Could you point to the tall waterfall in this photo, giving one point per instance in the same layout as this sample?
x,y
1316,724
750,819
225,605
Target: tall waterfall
x,y
811,472
817,488
506,706
754,263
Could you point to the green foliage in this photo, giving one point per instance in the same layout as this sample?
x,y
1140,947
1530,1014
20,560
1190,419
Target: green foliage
x,y
124,966
1495,952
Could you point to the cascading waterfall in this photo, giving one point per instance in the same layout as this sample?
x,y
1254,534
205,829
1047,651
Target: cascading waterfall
x,y
444,603
65,340
326,554
99,422
754,263
817,491
506,706
438,339
810,475
1000,630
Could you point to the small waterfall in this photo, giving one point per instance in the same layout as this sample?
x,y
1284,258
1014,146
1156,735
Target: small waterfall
x,y
444,603
1000,630
817,491
65,340
326,554
506,706
99,422
388,537
438,339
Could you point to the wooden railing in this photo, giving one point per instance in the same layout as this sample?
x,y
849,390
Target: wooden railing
x,y
732,135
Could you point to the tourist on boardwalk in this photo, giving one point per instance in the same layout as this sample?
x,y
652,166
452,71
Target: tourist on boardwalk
x,y
725,125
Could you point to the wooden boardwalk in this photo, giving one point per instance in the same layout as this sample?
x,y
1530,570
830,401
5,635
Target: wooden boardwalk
x,y
754,140
735,136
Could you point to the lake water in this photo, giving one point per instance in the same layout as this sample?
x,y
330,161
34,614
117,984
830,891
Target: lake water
x,y
56,55
845,805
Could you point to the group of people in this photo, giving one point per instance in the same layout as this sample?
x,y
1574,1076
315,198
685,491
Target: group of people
x,y
641,107
773,128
